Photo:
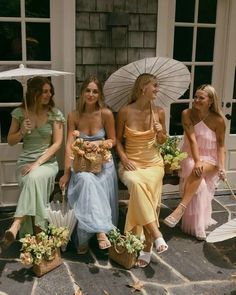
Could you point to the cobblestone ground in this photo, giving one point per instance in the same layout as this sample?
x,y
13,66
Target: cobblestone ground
x,y
188,267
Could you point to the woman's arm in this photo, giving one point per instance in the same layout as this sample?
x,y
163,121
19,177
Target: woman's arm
x,y
71,126
160,126
121,119
17,132
109,125
220,140
189,131
57,138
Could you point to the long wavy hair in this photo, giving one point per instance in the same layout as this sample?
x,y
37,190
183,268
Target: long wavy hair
x,y
81,100
215,101
35,90
139,85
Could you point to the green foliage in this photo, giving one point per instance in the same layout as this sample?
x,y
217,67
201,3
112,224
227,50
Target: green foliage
x,y
130,242
171,152
41,247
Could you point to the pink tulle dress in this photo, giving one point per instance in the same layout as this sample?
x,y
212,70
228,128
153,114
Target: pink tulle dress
x,y
197,215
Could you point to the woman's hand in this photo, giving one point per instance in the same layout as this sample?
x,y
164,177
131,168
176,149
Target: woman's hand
x,y
157,127
29,167
128,165
27,126
198,168
64,181
222,174
90,146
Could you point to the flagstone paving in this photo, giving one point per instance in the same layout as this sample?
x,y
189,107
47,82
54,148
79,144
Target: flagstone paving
x,y
188,267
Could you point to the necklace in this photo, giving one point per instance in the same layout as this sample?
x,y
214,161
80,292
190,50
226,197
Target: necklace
x,y
196,117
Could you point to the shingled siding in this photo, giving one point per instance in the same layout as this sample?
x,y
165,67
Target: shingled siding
x,y
112,33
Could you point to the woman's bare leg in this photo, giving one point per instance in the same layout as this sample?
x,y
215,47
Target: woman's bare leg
x,y
191,186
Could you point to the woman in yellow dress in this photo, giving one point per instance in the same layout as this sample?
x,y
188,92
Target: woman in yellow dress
x,y
142,127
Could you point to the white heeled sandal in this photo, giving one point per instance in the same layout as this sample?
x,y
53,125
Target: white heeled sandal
x,y
172,221
160,245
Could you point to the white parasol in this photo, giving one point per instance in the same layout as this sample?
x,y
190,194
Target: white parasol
x,y
22,74
60,214
172,75
224,232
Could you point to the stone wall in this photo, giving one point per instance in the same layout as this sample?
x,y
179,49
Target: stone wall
x,y
112,33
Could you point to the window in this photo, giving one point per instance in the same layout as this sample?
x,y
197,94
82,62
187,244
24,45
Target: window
x,y
24,38
194,41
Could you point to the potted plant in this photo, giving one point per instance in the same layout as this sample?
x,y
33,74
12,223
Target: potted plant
x,y
124,249
171,153
43,249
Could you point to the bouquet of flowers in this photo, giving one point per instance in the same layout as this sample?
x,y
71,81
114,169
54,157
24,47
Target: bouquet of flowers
x,y
171,152
42,247
124,249
82,148
130,242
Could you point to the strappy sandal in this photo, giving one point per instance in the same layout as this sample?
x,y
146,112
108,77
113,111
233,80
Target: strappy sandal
x,y
160,245
82,249
172,221
103,241
8,239
143,259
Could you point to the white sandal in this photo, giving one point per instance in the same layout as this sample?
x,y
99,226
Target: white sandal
x,y
160,243
143,259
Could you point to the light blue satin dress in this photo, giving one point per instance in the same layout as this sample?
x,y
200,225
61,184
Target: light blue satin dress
x,y
94,197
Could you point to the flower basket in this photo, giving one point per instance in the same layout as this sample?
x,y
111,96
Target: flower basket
x,y
124,249
82,164
43,250
170,171
88,156
47,265
120,255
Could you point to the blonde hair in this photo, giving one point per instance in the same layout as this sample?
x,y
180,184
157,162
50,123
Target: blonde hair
x,y
139,84
215,101
81,101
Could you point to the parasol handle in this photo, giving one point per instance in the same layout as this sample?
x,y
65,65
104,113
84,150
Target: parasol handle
x,y
63,191
229,186
25,103
153,114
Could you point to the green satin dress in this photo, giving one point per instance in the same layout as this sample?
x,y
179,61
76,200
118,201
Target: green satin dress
x,y
36,186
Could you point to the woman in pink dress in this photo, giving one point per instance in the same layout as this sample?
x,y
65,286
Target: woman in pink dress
x,y
204,136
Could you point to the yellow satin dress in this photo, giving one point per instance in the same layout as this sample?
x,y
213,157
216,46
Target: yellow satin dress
x,y
145,183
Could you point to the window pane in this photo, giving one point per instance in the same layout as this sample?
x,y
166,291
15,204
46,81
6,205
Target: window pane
x,y
207,11
5,122
184,11
10,40
10,91
183,43
34,9
233,120
10,8
175,118
203,75
205,44
234,95
38,41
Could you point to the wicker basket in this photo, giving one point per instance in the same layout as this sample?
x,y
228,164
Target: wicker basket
x,y
47,266
170,171
82,164
121,256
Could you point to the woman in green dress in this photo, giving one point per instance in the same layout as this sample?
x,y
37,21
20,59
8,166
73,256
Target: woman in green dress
x,y
40,126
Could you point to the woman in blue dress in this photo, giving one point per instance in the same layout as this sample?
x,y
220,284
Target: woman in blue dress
x,y
92,196
40,126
